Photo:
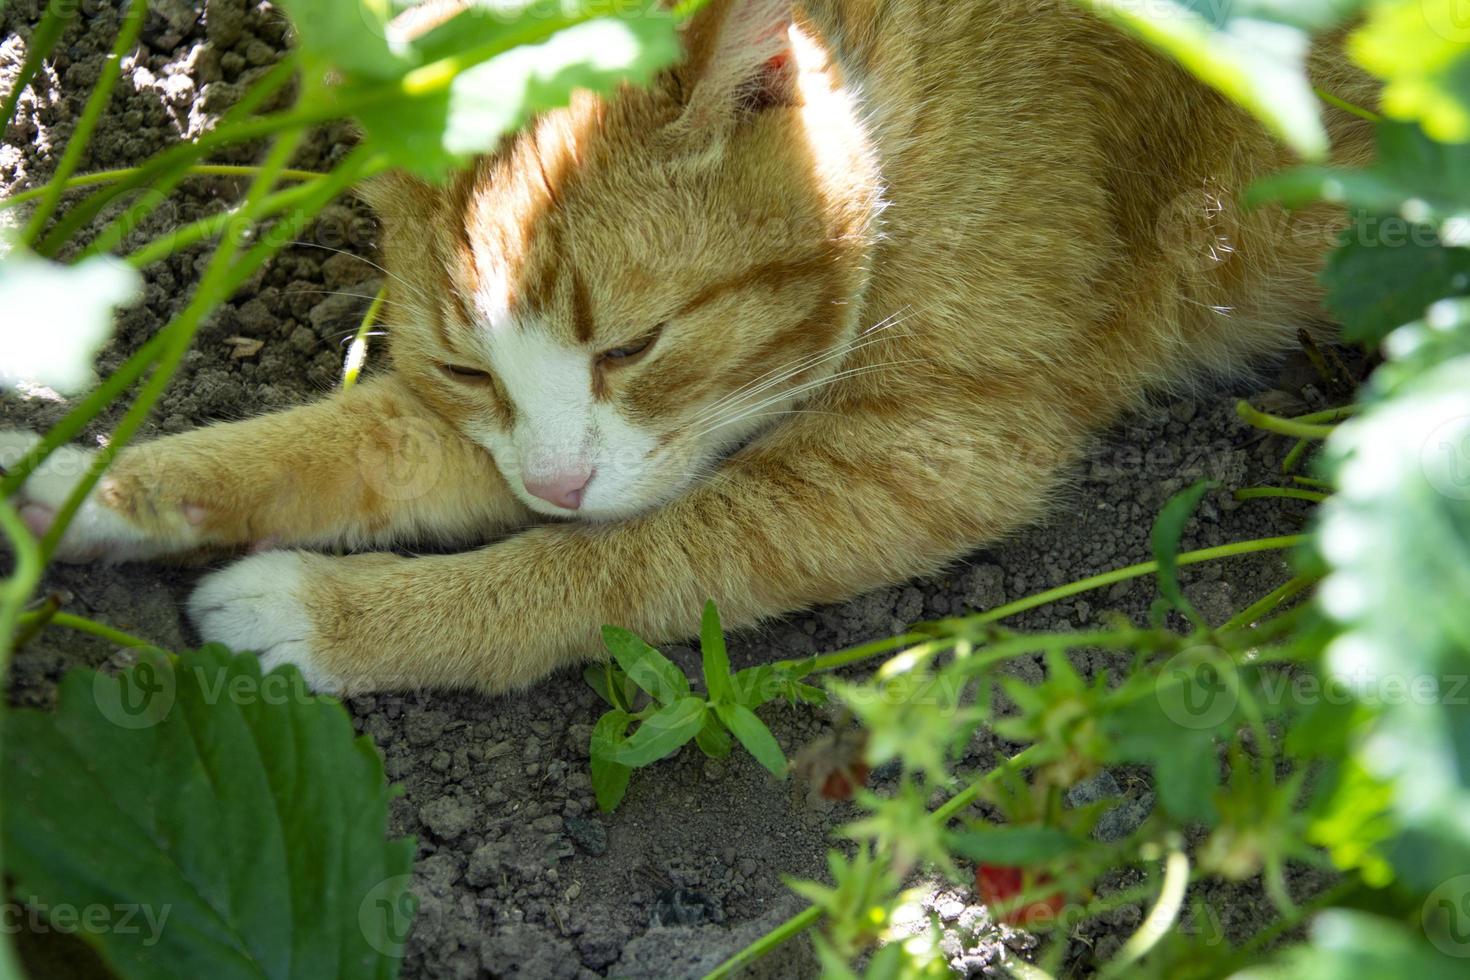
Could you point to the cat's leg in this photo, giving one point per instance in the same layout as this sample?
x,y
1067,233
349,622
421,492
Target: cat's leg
x,y
369,466
838,507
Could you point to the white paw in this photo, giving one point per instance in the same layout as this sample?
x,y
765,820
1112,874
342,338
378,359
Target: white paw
x,y
97,533
255,605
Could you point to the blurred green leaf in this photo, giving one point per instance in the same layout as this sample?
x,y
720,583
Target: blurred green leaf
x,y
1014,845
74,302
713,740
1421,50
239,810
1255,56
1387,273
1356,944
1396,537
349,36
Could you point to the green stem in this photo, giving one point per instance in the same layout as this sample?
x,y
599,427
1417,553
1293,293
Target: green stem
x,y
357,350
221,278
971,624
76,145
113,176
160,173
193,233
1280,493
1307,481
82,625
1294,458
1286,427
1267,604
1346,106
1160,919
14,593
42,40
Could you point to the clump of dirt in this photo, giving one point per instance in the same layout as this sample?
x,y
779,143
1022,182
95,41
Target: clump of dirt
x,y
517,872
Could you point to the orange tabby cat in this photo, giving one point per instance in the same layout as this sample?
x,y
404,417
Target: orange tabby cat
x,y
826,307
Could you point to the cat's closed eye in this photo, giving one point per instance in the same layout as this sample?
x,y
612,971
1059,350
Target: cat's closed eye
x,y
461,373
628,353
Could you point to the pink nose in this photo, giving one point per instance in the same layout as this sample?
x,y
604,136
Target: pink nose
x,y
564,489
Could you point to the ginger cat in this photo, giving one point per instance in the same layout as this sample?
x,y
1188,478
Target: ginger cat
x,y
831,304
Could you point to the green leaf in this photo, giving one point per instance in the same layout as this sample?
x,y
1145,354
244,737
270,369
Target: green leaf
x,y
1180,747
1416,179
662,734
1422,51
1387,273
712,739
716,659
75,302
349,36
1167,533
1347,943
1255,56
754,735
238,806
431,131
1396,537
650,670
1014,845
609,778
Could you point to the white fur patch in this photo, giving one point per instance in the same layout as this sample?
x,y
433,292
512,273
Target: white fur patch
x,y
255,605
561,426
98,533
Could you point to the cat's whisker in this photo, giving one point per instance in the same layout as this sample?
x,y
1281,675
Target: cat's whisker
x,y
801,389
785,371
766,381
417,291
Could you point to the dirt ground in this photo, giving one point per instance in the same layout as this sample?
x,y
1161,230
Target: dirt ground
x,y
518,874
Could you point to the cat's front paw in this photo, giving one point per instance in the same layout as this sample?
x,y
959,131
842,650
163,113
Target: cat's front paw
x,y
259,604
98,532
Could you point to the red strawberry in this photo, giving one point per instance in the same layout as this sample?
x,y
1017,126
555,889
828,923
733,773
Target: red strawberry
x,y
999,884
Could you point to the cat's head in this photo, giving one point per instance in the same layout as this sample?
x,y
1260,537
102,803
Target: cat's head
x,y
633,286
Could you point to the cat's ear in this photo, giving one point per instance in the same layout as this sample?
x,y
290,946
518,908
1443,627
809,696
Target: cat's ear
x,y
739,61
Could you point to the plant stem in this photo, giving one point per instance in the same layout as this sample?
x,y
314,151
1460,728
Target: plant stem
x,y
1280,493
42,40
1286,427
180,238
1267,604
1346,106
1160,919
127,38
162,172
113,176
867,651
357,350
84,625
14,593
